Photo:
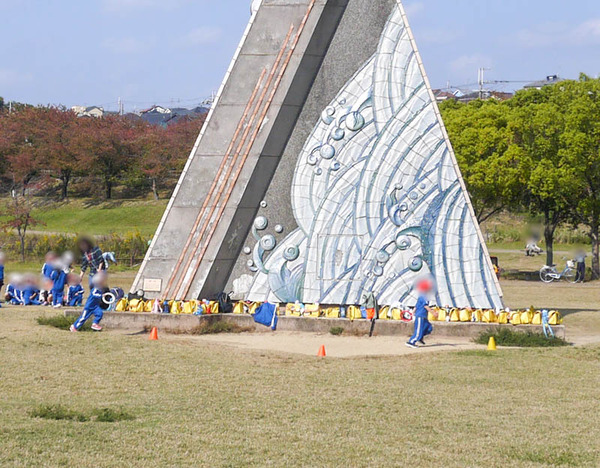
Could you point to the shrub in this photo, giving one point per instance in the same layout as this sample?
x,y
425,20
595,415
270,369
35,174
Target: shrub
x,y
520,339
336,331
111,415
61,322
57,413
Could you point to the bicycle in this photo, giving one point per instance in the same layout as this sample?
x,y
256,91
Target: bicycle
x,y
549,273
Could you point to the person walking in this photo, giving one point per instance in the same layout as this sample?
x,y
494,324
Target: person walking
x,y
91,259
580,259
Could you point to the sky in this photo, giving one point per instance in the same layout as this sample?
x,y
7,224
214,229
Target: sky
x,y
175,52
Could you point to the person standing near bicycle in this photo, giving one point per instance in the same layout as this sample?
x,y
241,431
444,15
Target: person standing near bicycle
x,y
580,259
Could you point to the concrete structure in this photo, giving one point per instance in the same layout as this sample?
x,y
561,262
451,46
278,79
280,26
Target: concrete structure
x,y
186,323
323,171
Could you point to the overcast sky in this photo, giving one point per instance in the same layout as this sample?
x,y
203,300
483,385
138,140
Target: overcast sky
x,y
176,51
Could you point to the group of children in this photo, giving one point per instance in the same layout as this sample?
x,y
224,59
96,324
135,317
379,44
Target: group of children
x,y
50,289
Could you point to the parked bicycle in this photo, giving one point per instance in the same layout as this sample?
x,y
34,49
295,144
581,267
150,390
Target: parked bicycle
x,y
549,273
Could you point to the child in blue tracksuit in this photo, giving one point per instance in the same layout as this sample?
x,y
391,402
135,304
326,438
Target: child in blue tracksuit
x,y
48,266
59,279
75,292
31,292
423,326
2,258
95,305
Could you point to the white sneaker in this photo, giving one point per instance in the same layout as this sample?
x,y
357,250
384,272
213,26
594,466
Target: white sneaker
x,y
57,306
96,327
72,329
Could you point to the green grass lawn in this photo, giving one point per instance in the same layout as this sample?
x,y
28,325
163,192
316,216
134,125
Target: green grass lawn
x,y
191,403
118,217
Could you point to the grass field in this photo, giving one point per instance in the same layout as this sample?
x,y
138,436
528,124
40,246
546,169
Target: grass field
x,y
189,402
119,217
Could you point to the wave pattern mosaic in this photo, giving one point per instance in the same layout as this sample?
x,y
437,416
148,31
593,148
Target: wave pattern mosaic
x,y
377,198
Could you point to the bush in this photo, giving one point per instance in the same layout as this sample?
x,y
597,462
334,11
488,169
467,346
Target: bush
x,y
206,328
60,413
61,322
111,415
57,413
520,339
336,331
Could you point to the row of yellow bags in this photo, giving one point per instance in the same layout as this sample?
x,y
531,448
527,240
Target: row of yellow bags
x,y
519,317
174,307
195,307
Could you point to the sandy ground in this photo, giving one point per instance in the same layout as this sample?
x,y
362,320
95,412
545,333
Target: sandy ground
x,y
335,346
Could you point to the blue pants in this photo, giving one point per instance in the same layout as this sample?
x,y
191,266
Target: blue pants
x,y
57,296
75,301
422,328
86,314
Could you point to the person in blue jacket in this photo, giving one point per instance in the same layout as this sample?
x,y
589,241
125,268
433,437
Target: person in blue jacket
x,y
423,326
2,260
31,292
59,279
14,290
48,266
95,304
75,291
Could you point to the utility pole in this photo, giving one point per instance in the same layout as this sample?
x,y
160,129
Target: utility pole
x,y
481,80
120,106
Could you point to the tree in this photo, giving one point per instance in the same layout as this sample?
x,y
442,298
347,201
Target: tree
x,y
155,156
17,216
61,150
480,136
107,145
536,127
580,150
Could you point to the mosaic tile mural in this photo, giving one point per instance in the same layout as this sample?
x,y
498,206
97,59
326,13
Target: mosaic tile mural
x,y
377,198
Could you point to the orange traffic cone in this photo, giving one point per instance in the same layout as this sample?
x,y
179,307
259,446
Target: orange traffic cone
x,y
154,334
321,352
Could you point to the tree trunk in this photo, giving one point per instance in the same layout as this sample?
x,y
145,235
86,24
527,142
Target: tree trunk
x,y
595,236
22,240
108,192
154,188
549,228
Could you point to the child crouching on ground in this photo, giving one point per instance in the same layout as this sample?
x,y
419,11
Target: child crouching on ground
x,y
95,304
75,292
14,290
31,293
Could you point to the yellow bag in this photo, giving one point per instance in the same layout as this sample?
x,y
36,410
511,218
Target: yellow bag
x,y
502,318
291,310
136,305
442,314
465,315
454,315
239,308
396,313
148,306
332,312
431,317
175,307
384,313
190,307
253,307
526,317
554,318
312,310
537,319
488,316
122,305
354,313
515,318
477,316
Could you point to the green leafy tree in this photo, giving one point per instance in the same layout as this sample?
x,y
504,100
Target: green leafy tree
x,y
480,136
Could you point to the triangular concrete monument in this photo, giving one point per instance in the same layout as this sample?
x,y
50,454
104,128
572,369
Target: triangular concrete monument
x,y
324,171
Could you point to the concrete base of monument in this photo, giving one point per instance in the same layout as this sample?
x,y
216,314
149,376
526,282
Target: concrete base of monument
x,y
181,323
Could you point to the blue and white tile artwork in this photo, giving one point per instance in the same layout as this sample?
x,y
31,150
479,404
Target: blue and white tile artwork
x,y
378,198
